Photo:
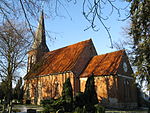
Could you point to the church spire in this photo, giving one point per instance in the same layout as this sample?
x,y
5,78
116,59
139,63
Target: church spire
x,y
40,38
39,47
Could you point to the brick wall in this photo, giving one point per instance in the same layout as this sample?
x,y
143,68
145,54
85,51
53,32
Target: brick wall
x,y
47,86
111,91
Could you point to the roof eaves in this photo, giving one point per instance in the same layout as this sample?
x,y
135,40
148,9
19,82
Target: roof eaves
x,y
99,75
38,76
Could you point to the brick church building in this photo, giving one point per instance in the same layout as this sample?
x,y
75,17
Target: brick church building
x,y
48,70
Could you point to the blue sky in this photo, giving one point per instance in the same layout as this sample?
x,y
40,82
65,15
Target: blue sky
x,y
69,31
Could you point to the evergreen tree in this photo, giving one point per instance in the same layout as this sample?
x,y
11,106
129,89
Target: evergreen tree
x,y
90,94
67,95
18,90
140,33
79,100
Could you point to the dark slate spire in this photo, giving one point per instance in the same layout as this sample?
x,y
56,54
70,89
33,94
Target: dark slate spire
x,y
40,38
39,47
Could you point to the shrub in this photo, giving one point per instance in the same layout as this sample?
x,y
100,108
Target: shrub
x,y
48,108
99,109
90,108
52,105
79,100
47,101
58,104
80,110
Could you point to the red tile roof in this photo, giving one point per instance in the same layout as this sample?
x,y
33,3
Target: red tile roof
x,y
105,64
60,60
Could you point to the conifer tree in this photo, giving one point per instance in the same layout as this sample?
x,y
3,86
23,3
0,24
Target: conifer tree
x,y
67,95
18,90
140,34
90,92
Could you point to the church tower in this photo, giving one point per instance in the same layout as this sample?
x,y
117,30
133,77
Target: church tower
x,y
39,46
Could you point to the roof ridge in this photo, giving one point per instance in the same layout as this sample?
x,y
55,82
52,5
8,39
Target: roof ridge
x,y
72,44
122,50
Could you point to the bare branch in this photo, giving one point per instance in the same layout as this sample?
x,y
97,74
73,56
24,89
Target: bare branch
x,y
26,17
93,11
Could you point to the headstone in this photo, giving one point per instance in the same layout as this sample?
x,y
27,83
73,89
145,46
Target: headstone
x,y
31,111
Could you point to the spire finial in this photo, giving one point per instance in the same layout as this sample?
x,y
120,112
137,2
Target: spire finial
x,y
42,14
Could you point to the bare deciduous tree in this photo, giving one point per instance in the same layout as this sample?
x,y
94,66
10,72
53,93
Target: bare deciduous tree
x,y
14,44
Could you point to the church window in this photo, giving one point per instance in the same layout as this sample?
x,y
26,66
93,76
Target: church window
x,y
125,67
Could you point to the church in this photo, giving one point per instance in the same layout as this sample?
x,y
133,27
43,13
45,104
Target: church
x,y
48,70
